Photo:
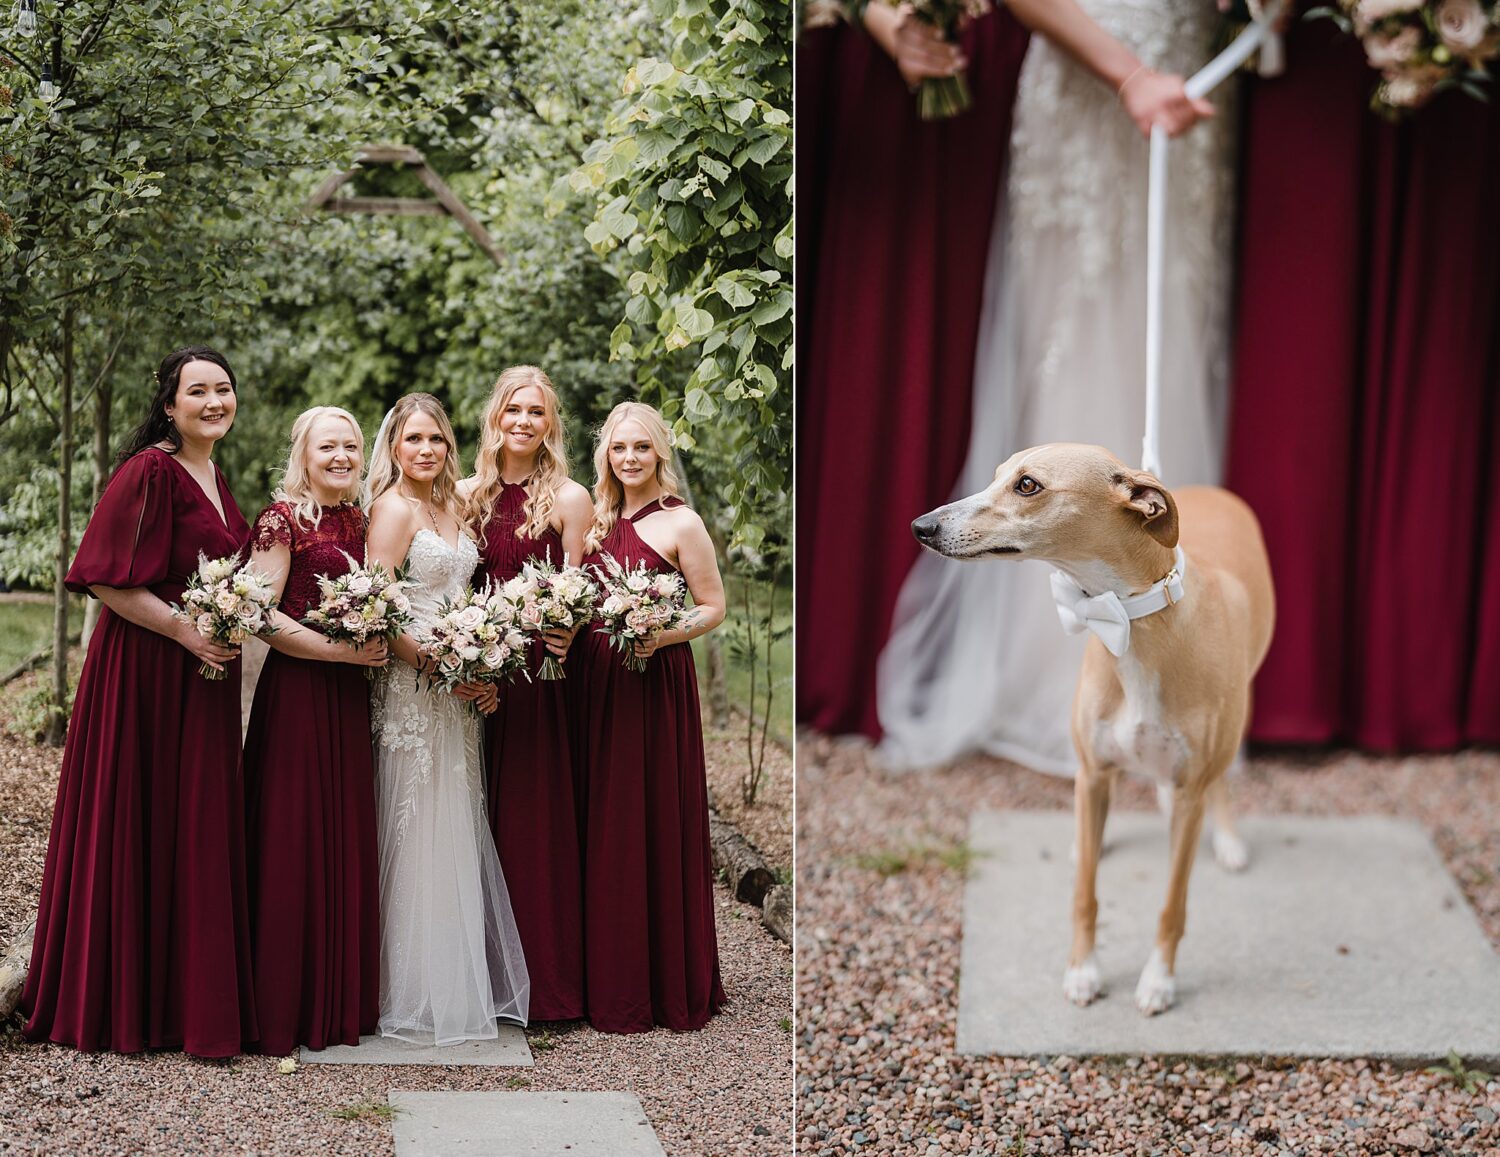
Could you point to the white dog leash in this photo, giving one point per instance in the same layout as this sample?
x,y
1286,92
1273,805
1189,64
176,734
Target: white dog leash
x,y
1259,33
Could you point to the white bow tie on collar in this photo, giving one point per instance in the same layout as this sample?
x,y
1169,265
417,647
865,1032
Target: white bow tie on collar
x,y
1108,615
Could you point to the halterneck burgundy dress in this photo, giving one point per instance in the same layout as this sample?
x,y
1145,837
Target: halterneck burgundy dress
x,y
143,932
652,957
310,814
529,790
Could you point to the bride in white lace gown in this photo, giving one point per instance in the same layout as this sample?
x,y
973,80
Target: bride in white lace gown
x,y
451,959
976,658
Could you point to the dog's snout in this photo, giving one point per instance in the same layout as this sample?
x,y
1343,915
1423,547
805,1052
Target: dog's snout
x,y
925,528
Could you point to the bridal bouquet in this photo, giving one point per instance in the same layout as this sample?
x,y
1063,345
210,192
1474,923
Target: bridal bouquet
x,y
546,597
476,639
227,603
937,96
638,604
1421,48
366,602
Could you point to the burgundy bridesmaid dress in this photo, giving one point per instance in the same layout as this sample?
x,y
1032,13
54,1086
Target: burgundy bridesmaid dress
x,y
529,792
310,814
143,932
894,216
648,915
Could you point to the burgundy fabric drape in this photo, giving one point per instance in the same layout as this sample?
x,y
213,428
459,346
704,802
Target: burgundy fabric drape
x,y
894,219
1364,422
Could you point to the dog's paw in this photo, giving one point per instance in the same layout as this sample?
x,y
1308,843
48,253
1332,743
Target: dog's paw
x,y
1232,852
1156,991
1082,984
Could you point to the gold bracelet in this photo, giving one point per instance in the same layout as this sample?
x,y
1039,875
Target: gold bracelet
x,y
1140,68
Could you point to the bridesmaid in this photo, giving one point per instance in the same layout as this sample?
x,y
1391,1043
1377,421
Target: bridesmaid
x,y
652,956
522,505
309,765
143,934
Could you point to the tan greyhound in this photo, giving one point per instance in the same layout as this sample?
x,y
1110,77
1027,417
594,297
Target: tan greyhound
x,y
1180,628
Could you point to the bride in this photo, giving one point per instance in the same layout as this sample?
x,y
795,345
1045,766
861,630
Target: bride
x,y
976,659
450,957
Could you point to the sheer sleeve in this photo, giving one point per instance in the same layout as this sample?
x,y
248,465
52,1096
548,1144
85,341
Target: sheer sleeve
x,y
272,528
128,541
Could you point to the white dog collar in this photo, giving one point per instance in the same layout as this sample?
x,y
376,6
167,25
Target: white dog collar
x,y
1108,615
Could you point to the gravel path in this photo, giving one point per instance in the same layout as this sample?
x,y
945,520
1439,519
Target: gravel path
x,y
881,861
720,1092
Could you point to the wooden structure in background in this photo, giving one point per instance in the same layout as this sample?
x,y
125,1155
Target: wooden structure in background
x,y
445,201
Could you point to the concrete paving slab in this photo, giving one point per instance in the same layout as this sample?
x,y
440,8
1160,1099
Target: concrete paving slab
x,y
509,1049
522,1125
1345,937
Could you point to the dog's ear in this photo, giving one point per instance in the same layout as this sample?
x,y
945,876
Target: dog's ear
x,y
1144,494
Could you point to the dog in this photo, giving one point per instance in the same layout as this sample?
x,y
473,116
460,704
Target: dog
x,y
1176,591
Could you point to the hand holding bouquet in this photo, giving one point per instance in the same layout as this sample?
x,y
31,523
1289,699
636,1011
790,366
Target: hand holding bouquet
x,y
366,602
938,96
226,603
638,604
547,598
476,639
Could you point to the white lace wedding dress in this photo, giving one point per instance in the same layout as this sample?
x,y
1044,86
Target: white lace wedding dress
x,y
976,658
450,956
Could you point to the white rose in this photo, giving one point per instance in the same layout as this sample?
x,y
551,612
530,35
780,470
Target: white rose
x,y
637,582
469,618
401,603
1461,24
493,656
226,601
450,662
353,621
360,584
1388,51
205,625
613,605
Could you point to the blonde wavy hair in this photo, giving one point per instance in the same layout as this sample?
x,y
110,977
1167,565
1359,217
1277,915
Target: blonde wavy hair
x,y
551,462
296,487
609,495
385,471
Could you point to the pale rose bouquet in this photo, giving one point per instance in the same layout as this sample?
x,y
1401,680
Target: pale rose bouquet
x,y
476,639
226,603
1421,47
638,604
366,602
546,597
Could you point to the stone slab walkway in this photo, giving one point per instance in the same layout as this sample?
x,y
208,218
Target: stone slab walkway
x,y
522,1125
1345,937
508,1049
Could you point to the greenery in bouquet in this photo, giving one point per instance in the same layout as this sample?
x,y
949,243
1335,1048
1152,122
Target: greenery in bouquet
x,y
366,602
226,603
547,597
1420,48
475,639
639,604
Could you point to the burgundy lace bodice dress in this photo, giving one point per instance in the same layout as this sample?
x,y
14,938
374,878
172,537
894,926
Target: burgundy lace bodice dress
x,y
310,815
651,954
529,791
143,933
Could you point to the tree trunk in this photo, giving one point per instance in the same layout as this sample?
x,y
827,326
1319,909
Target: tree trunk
x,y
92,607
776,913
743,866
13,966
57,725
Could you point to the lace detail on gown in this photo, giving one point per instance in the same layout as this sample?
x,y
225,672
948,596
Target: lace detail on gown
x,y
976,658
451,958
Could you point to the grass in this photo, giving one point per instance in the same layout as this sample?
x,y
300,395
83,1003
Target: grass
x,y
785,1024
518,1082
1469,1080
366,1111
542,1042
737,670
25,628
914,857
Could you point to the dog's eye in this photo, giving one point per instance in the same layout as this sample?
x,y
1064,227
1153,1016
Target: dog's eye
x,y
1028,485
